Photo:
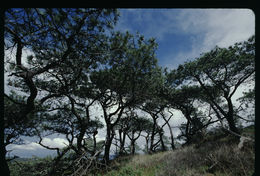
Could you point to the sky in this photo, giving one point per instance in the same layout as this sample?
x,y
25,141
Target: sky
x,y
184,34
181,34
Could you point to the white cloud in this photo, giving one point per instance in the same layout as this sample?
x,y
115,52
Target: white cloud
x,y
28,146
221,27
55,142
225,26
205,27
100,136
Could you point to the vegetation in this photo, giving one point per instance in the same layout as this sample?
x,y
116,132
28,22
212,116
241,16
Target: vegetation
x,y
77,64
189,160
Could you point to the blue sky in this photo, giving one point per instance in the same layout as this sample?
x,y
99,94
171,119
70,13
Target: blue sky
x,y
183,34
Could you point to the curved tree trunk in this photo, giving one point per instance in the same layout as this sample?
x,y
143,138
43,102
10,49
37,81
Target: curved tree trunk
x,y
230,117
171,135
162,142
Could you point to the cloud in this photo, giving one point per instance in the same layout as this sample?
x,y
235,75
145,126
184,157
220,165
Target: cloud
x,y
225,26
28,146
203,29
55,142
211,27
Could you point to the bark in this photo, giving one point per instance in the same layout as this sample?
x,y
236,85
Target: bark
x,y
4,166
170,129
107,150
147,143
122,136
230,117
162,142
19,52
94,143
133,144
133,140
186,112
108,143
171,135
80,139
152,136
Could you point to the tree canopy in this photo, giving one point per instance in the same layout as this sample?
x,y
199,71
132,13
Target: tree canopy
x,y
73,75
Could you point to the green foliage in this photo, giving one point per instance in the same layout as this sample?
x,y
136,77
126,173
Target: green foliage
x,y
222,67
131,67
125,171
75,63
218,74
30,167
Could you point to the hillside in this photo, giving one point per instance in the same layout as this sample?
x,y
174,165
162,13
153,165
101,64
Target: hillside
x,y
219,157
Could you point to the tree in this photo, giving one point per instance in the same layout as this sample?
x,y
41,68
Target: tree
x,y
122,83
169,126
15,128
187,100
64,45
154,107
221,70
77,127
136,127
148,129
247,106
122,127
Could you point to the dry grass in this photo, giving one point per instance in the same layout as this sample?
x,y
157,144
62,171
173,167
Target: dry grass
x,y
149,160
219,157
224,159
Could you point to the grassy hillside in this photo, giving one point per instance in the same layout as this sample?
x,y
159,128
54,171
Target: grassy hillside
x,y
213,157
217,155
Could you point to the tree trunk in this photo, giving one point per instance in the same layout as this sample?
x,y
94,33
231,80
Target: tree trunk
x,y
132,144
147,143
152,136
94,143
80,139
187,133
122,136
230,117
132,147
108,143
107,150
3,166
161,139
171,133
